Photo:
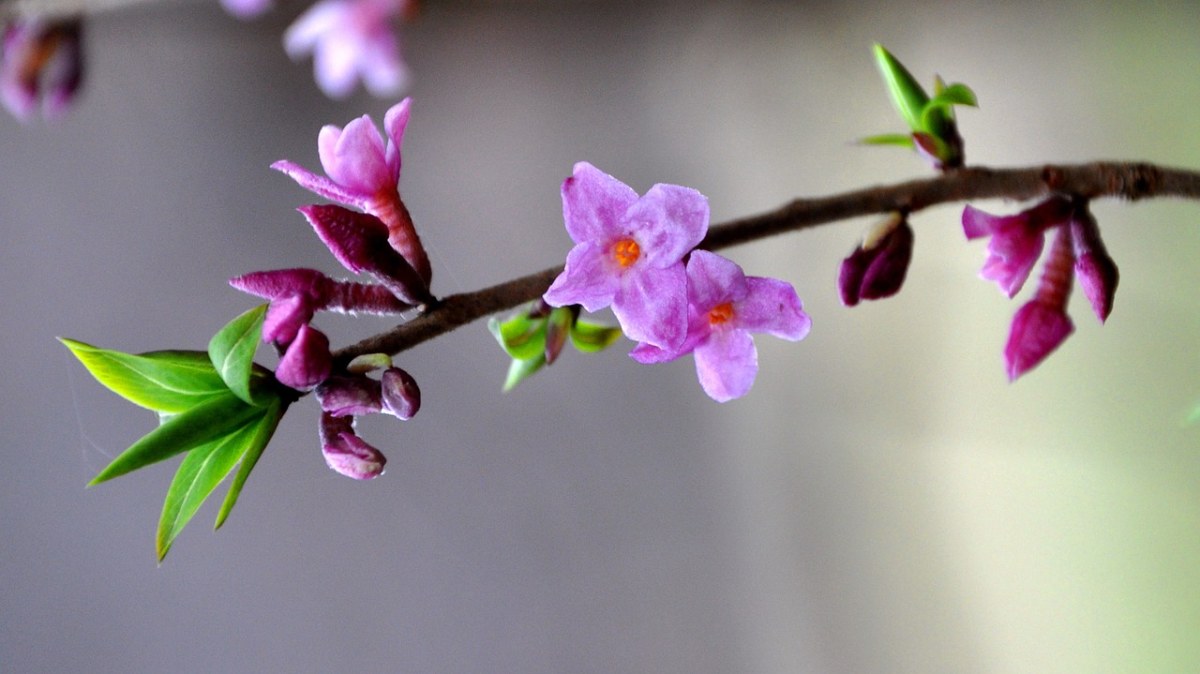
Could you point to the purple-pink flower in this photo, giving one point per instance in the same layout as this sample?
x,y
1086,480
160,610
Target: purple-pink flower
x,y
1016,240
363,171
724,307
41,62
352,40
629,252
1042,324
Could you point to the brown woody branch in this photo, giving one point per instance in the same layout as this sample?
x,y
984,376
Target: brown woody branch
x,y
1099,179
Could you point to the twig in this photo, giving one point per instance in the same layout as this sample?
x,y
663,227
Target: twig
x,y
1099,179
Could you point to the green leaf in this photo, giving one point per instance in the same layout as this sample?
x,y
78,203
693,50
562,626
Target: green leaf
x,y
214,418
592,337
163,381
265,429
907,94
520,370
207,466
521,337
232,353
955,94
902,139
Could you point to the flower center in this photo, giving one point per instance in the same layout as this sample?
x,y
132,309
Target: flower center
x,y
626,252
720,314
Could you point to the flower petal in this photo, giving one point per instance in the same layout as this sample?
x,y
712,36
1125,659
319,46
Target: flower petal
x,y
651,305
358,162
395,121
668,221
772,306
1037,330
713,279
588,279
594,204
727,364
317,184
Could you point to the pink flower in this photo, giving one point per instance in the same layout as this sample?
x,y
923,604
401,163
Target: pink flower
x,y
1017,240
1042,324
41,61
246,9
629,252
363,171
349,40
724,307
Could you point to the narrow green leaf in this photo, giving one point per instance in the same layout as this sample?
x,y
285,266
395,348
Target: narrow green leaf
x,y
956,94
520,370
591,337
266,426
214,418
163,381
201,471
232,353
907,94
902,139
521,337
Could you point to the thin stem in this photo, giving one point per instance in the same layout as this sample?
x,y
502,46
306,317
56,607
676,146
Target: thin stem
x,y
1100,179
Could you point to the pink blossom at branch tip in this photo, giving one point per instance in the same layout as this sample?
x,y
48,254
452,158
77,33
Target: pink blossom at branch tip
x,y
363,171
629,252
724,307
307,360
876,269
1016,240
246,9
345,452
41,62
352,40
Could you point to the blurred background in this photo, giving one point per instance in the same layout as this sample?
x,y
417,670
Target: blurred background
x,y
882,501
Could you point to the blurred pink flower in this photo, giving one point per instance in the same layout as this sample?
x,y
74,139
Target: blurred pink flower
x,y
41,62
352,40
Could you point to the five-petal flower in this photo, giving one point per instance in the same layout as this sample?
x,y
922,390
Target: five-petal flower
x,y
629,252
349,40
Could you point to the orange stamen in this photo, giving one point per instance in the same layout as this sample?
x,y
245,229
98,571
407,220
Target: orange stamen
x,y
722,313
626,252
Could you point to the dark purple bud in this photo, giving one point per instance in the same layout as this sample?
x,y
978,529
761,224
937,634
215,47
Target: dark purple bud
x,y
944,152
1096,271
876,269
360,242
345,452
401,395
350,396
40,57
284,318
307,361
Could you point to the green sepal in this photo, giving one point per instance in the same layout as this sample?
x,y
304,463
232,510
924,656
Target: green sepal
x,y
558,329
521,337
520,370
592,337
907,94
214,418
167,382
902,139
206,466
232,353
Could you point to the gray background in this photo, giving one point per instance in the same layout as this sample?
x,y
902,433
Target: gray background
x,y
882,501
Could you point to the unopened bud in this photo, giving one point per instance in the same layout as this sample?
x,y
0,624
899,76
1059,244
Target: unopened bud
x,y
349,396
401,395
876,269
307,361
345,452
1096,271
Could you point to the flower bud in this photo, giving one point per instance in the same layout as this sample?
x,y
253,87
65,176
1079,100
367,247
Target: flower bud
x,y
307,361
345,452
876,269
1096,271
285,317
1037,330
401,395
350,396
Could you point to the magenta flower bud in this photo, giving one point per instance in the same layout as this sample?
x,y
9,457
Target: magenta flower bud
x,y
1096,271
360,242
307,361
1016,240
401,395
1042,324
876,269
285,317
345,452
40,61
350,396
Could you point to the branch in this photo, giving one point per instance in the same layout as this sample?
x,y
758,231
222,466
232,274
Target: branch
x,y
1100,179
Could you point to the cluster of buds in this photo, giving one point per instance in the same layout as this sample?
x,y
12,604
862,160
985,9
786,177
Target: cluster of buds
x,y
381,241
1016,243
41,65
629,255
